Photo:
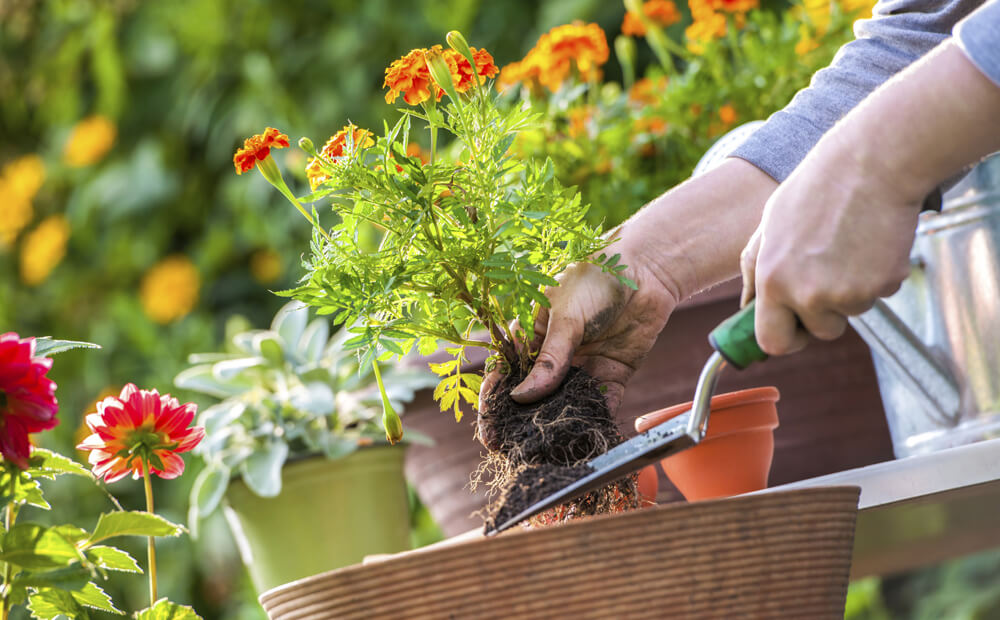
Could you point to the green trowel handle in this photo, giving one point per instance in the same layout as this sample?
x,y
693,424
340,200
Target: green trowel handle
x,y
735,340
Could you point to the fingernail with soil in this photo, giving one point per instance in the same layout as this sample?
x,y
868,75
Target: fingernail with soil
x,y
523,388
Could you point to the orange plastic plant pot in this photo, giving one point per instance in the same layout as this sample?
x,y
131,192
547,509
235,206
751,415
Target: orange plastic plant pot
x,y
735,455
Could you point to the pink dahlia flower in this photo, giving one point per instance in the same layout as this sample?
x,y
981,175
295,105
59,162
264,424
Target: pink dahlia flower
x,y
27,397
140,426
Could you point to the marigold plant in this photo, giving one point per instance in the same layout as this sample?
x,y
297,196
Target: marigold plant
x,y
467,241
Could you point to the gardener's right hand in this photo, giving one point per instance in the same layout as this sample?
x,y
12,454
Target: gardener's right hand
x,y
686,240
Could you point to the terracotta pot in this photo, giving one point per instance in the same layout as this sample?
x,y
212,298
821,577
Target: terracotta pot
x,y
735,455
773,555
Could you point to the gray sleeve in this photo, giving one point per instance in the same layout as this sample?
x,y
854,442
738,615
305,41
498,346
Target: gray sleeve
x,y
979,37
900,32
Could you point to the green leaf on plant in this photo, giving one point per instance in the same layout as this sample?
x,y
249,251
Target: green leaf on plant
x,y
262,469
165,610
443,368
46,347
208,488
110,558
72,577
133,523
36,547
53,603
49,464
94,597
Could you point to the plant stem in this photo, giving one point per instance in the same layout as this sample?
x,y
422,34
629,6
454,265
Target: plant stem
x,y
10,515
309,218
151,548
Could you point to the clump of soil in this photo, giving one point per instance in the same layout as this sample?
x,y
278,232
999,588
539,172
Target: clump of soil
x,y
539,448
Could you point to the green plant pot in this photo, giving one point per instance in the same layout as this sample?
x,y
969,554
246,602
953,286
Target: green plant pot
x,y
329,514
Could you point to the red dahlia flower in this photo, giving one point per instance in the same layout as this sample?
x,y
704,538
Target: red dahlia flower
x,y
27,397
140,426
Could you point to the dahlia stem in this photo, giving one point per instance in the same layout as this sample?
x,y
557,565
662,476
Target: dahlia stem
x,y
151,548
10,515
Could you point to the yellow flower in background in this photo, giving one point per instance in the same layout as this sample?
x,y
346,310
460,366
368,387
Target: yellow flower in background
x,y
24,176
578,47
861,9
43,248
90,141
169,290
20,180
265,266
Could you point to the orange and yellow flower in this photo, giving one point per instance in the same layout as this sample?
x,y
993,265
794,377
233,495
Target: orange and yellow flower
x,y
137,429
258,148
43,249
346,141
410,77
648,91
560,51
90,141
706,27
169,290
727,114
662,12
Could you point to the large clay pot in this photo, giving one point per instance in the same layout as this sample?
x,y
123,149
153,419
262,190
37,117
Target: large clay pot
x,y
330,513
773,555
831,410
735,455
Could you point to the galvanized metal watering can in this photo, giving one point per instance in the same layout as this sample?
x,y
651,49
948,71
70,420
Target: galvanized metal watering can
x,y
934,343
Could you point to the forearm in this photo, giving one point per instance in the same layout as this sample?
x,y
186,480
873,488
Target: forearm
x,y
690,238
924,125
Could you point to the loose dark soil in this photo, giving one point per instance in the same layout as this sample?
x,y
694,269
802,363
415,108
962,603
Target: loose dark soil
x,y
539,448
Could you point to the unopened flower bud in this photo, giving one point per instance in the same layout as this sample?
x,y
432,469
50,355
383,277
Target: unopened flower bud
x,y
393,426
625,50
307,145
440,73
458,43
634,6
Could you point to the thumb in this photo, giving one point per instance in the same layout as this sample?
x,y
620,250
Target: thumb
x,y
562,336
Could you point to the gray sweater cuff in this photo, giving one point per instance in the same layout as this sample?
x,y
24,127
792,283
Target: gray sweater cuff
x,y
979,37
901,32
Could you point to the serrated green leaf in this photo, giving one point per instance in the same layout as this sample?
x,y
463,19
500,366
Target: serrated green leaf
x,y
472,381
132,523
111,558
48,464
30,493
53,603
538,278
389,345
165,610
443,368
94,597
36,547
47,347
69,578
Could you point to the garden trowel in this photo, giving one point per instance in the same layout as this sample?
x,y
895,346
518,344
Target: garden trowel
x,y
736,345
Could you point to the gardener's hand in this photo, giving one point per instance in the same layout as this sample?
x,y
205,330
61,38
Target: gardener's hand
x,y
683,242
836,235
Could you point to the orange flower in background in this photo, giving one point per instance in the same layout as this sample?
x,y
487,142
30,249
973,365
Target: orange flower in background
x,y
485,67
735,6
578,46
43,249
662,12
137,428
414,150
346,141
705,28
265,266
89,141
648,90
257,148
169,290
20,180
579,119
727,114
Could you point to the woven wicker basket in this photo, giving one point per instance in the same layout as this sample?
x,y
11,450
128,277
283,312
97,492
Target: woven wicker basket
x,y
776,555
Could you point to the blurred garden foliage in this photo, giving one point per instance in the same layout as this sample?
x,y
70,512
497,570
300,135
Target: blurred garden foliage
x,y
122,223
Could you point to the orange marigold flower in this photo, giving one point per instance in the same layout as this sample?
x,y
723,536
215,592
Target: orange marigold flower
x,y
410,77
647,90
140,427
258,147
462,74
558,52
344,142
735,6
727,114
579,118
662,12
705,28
